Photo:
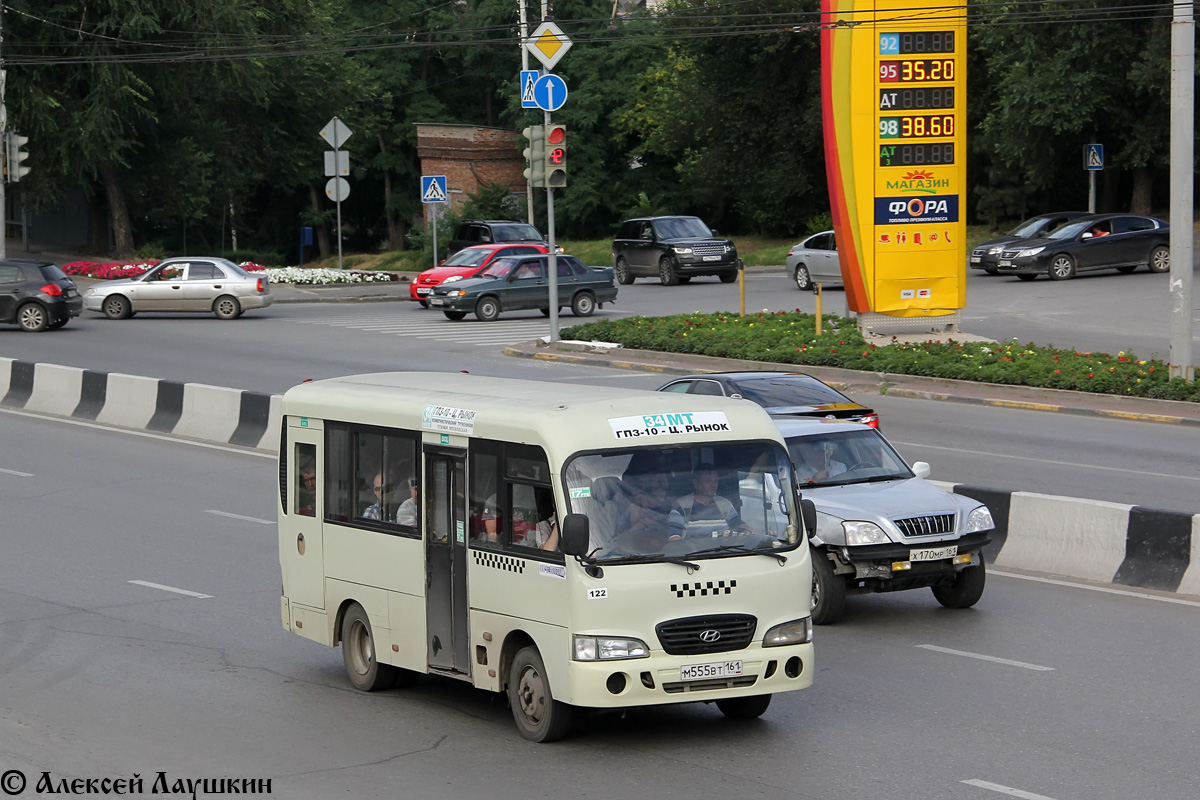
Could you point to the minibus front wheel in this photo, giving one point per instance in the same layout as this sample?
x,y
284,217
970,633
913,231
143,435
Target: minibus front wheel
x,y
539,717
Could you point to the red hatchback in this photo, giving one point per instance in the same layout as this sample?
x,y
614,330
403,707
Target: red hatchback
x,y
466,263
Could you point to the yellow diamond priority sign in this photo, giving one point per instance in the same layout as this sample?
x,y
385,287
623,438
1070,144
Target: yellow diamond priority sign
x,y
548,44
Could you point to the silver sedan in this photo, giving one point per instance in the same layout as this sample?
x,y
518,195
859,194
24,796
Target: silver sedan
x,y
183,284
815,260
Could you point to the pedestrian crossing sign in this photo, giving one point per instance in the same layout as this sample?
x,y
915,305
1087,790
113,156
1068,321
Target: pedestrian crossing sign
x,y
433,189
528,78
1093,157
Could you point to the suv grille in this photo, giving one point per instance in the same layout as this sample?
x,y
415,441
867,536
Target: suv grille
x,y
682,637
925,526
708,249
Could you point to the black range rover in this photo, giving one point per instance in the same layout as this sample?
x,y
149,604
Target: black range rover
x,y
674,248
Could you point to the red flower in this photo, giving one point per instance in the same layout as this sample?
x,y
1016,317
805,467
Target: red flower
x,y
1057,372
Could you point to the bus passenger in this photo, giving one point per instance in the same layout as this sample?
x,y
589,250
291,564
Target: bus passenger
x,y
704,512
381,485
407,513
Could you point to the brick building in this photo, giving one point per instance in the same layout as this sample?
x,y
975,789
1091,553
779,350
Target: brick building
x,y
471,157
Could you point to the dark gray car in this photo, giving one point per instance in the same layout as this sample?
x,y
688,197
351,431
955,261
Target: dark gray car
x,y
37,296
673,249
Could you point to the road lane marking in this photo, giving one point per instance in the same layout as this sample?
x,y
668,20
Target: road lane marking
x,y
1046,461
1008,790
1104,589
170,589
239,516
982,657
18,474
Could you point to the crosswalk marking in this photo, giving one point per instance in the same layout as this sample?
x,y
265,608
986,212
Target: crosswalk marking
x,y
425,326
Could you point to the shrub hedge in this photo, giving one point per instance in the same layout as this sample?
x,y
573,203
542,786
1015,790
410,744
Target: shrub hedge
x,y
790,338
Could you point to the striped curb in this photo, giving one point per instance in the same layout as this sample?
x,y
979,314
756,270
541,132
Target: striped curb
x,y
192,410
1086,539
1092,540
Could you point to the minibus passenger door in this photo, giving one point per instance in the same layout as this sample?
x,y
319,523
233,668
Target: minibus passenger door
x,y
446,561
301,546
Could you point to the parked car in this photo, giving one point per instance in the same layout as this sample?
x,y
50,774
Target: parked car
x,y
815,260
493,231
466,263
183,284
881,527
984,255
36,295
782,394
1100,241
520,282
675,249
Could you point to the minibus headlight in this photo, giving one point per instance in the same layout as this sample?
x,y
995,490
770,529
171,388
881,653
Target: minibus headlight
x,y
798,631
609,648
979,520
864,533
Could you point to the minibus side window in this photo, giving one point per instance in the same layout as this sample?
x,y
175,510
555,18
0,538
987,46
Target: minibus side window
x,y
484,497
372,472
306,479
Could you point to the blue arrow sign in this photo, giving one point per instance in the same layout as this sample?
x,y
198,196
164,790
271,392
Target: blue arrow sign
x,y
550,93
433,189
528,79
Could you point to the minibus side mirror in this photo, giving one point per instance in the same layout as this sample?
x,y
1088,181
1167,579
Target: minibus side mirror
x,y
808,513
576,536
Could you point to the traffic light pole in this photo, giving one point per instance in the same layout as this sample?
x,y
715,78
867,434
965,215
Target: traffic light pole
x,y
4,144
552,261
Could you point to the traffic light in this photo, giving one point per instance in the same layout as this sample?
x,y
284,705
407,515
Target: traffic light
x,y
556,156
535,154
14,155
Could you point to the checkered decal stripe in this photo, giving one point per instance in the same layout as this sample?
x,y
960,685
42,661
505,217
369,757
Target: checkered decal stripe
x,y
703,589
486,558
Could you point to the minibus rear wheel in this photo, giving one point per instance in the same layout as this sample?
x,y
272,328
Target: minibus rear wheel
x,y
359,655
539,717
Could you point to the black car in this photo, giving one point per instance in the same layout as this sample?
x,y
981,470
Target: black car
x,y
514,283
1101,241
676,249
493,231
984,255
782,394
36,295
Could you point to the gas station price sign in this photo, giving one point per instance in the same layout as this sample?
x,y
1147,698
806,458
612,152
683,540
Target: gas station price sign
x,y
894,103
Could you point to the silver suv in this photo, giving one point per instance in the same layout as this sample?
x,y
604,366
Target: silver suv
x,y
881,527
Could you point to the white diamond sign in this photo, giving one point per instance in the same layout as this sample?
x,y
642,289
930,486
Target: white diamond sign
x,y
548,44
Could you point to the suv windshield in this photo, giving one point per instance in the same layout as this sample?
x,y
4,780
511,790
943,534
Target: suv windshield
x,y
689,502
682,228
836,458
515,232
467,258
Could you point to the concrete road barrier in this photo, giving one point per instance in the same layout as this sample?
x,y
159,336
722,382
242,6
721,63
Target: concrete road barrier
x,y
1085,539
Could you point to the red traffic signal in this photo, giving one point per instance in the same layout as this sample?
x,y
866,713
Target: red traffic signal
x,y
556,156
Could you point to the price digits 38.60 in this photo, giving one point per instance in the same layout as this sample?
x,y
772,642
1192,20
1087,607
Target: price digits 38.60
x,y
927,126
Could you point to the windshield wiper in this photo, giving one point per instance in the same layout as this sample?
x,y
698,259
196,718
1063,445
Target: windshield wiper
x,y
728,548
649,558
875,479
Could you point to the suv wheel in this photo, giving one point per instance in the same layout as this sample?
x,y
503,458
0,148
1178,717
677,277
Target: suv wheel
x,y
728,277
666,273
624,276
32,317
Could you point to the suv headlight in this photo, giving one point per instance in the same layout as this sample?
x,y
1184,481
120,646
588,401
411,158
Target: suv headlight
x,y
864,533
609,648
798,631
1033,251
980,519
683,251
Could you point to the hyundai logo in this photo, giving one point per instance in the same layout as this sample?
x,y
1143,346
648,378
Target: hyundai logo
x,y
710,635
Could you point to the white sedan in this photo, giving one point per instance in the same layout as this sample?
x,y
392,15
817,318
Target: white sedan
x,y
214,285
815,260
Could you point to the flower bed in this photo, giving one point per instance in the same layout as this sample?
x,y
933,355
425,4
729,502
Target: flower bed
x,y
297,275
790,338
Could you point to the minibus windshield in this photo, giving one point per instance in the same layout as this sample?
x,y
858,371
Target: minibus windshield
x,y
697,501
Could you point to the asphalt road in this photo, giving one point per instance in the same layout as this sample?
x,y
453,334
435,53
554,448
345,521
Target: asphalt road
x,y
1127,462
1055,690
